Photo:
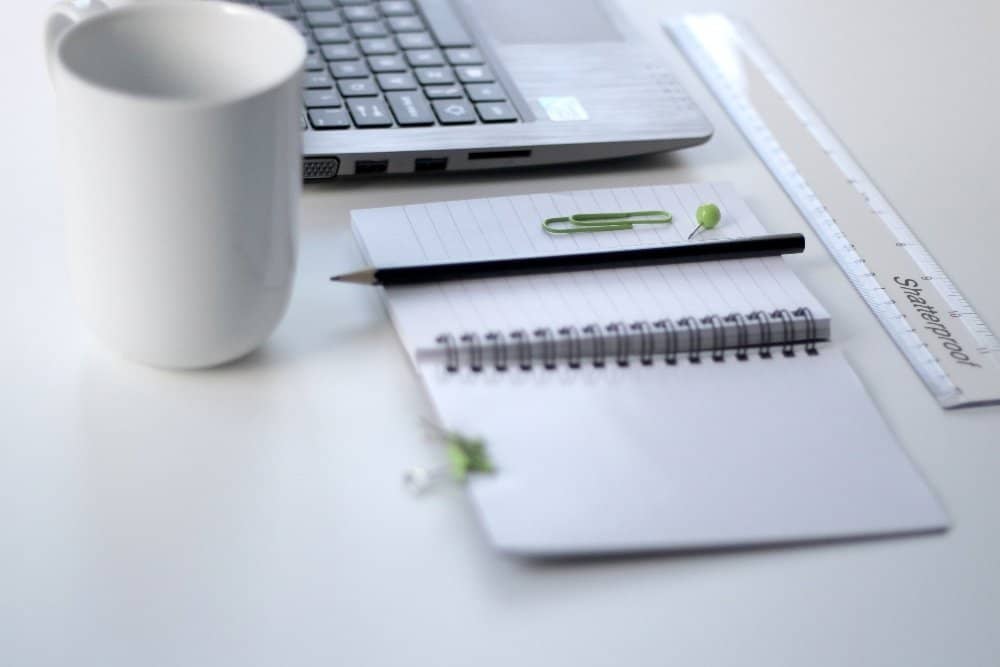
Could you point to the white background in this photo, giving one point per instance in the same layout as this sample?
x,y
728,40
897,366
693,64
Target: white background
x,y
253,515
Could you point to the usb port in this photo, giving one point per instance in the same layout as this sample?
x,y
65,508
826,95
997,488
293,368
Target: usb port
x,y
371,166
430,164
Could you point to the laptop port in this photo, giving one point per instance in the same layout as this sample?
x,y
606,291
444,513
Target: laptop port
x,y
318,168
499,155
430,164
371,166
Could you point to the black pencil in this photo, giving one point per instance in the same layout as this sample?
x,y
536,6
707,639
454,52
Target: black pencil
x,y
756,246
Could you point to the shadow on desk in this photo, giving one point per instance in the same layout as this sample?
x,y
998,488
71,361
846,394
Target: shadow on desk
x,y
653,164
545,563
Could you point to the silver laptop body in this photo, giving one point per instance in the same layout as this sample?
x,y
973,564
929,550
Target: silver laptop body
x,y
407,86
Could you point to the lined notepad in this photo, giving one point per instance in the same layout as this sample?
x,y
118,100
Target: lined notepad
x,y
681,406
511,227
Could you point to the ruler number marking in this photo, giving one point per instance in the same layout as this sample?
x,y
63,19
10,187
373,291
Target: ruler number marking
x,y
758,134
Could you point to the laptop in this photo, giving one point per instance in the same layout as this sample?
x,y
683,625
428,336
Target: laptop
x,y
403,86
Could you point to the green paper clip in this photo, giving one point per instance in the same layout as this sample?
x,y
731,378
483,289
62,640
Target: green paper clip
x,y
604,222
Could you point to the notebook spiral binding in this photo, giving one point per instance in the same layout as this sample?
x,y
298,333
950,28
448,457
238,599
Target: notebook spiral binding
x,y
621,343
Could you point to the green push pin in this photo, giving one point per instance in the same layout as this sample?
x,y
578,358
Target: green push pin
x,y
466,456
708,217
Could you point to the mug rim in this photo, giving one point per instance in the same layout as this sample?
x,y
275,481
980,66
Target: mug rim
x,y
205,101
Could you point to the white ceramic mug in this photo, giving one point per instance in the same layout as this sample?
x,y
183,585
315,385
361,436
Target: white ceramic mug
x,y
182,170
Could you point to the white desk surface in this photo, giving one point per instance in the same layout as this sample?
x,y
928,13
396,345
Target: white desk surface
x,y
253,515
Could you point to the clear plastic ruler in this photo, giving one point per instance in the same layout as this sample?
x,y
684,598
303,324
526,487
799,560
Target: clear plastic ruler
x,y
948,344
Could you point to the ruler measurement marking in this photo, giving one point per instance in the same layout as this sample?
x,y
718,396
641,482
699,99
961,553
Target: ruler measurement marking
x,y
964,330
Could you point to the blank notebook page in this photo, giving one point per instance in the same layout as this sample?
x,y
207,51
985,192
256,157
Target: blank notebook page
x,y
683,457
511,227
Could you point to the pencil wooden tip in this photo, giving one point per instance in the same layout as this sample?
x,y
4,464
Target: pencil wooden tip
x,y
362,277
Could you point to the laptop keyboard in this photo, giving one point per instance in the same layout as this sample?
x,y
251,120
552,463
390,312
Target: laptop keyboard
x,y
391,63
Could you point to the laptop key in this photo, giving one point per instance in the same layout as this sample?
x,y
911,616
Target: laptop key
x,y
464,56
368,29
378,47
316,5
360,13
486,92
314,63
387,64
434,75
410,109
454,112
496,112
329,119
400,81
443,92
324,19
424,58
369,113
415,40
317,80
397,8
282,11
347,69
474,74
357,88
340,52
332,35
322,99
406,24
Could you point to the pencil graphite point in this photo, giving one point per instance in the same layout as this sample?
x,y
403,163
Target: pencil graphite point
x,y
362,277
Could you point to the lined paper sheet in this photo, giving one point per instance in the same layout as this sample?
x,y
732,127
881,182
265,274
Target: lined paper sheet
x,y
495,227
511,227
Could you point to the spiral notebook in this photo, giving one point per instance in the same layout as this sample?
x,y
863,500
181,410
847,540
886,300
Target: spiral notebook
x,y
651,408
